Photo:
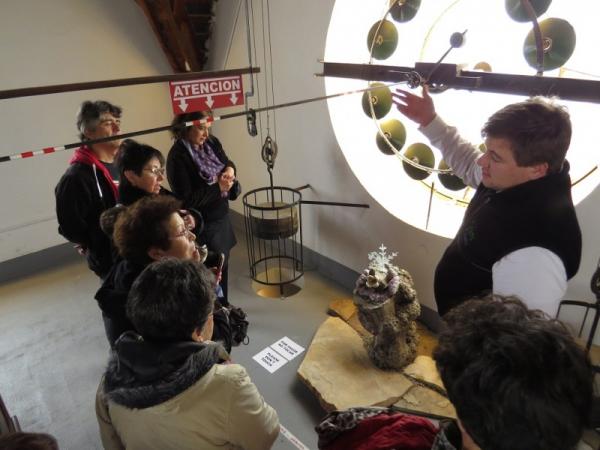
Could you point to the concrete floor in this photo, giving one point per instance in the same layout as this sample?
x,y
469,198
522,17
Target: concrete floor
x,y
53,350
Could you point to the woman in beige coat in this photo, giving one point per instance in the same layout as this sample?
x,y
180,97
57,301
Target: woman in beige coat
x,y
170,387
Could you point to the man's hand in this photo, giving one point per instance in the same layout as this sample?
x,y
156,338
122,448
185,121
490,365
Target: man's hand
x,y
418,109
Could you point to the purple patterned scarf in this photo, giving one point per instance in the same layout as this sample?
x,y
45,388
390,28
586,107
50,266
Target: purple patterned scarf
x,y
208,165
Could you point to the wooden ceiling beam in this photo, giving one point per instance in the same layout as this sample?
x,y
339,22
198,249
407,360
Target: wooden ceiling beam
x,y
174,29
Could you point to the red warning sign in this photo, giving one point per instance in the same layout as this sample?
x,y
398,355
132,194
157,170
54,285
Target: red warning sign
x,y
211,93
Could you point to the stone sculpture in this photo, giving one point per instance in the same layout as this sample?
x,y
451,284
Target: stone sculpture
x,y
387,308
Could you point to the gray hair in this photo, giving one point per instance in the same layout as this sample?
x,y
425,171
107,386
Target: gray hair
x,y
89,114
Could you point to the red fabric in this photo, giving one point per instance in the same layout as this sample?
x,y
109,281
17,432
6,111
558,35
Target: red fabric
x,y
84,155
388,432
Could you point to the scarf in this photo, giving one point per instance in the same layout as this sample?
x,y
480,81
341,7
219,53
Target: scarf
x,y
85,156
208,164
143,373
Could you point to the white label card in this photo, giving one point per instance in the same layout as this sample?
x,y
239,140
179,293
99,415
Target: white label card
x,y
288,348
270,359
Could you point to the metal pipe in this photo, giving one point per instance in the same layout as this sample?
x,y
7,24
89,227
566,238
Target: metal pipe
x,y
168,127
350,205
449,75
537,33
249,93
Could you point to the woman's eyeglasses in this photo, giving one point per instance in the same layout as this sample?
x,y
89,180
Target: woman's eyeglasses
x,y
184,232
156,171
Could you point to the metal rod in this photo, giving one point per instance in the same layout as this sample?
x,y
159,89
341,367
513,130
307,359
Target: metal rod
x,y
537,32
590,340
249,93
450,76
429,205
70,87
216,118
271,186
441,60
350,205
306,186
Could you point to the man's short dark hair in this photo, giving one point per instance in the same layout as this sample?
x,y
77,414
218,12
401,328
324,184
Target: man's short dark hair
x,y
538,129
178,128
88,116
134,156
21,440
144,225
170,299
516,377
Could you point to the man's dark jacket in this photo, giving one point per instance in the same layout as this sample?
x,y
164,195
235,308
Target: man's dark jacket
x,y
82,194
537,213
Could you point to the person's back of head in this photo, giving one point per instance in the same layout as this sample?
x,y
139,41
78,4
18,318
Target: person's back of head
x,y
21,440
108,219
171,299
539,132
517,378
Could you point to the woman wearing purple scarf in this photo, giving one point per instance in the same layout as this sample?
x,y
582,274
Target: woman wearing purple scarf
x,y
201,174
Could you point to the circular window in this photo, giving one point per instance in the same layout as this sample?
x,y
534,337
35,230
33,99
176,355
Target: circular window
x,y
498,39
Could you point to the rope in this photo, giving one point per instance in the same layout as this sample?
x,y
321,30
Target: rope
x,y
271,67
268,73
257,83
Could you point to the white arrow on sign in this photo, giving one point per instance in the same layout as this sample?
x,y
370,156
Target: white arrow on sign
x,y
209,101
183,105
233,98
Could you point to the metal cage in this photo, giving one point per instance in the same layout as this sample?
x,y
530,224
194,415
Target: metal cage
x,y
273,218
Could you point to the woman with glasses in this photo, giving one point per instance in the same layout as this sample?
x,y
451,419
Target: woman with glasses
x,y
151,229
141,170
201,174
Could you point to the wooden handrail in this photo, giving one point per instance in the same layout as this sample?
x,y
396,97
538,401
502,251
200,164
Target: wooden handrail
x,y
57,88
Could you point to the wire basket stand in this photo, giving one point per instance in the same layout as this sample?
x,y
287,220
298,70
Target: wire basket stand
x,y
273,219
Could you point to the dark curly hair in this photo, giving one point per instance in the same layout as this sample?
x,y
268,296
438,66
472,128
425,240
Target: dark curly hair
x,y
516,377
144,225
20,440
538,130
170,299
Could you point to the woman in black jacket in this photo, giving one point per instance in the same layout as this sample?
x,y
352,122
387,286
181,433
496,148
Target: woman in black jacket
x,y
141,171
149,230
201,174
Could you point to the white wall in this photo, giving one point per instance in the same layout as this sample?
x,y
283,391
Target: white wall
x,y
62,41
66,41
308,151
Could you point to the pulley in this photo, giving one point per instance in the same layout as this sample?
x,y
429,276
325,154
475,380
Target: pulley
x,y
269,152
